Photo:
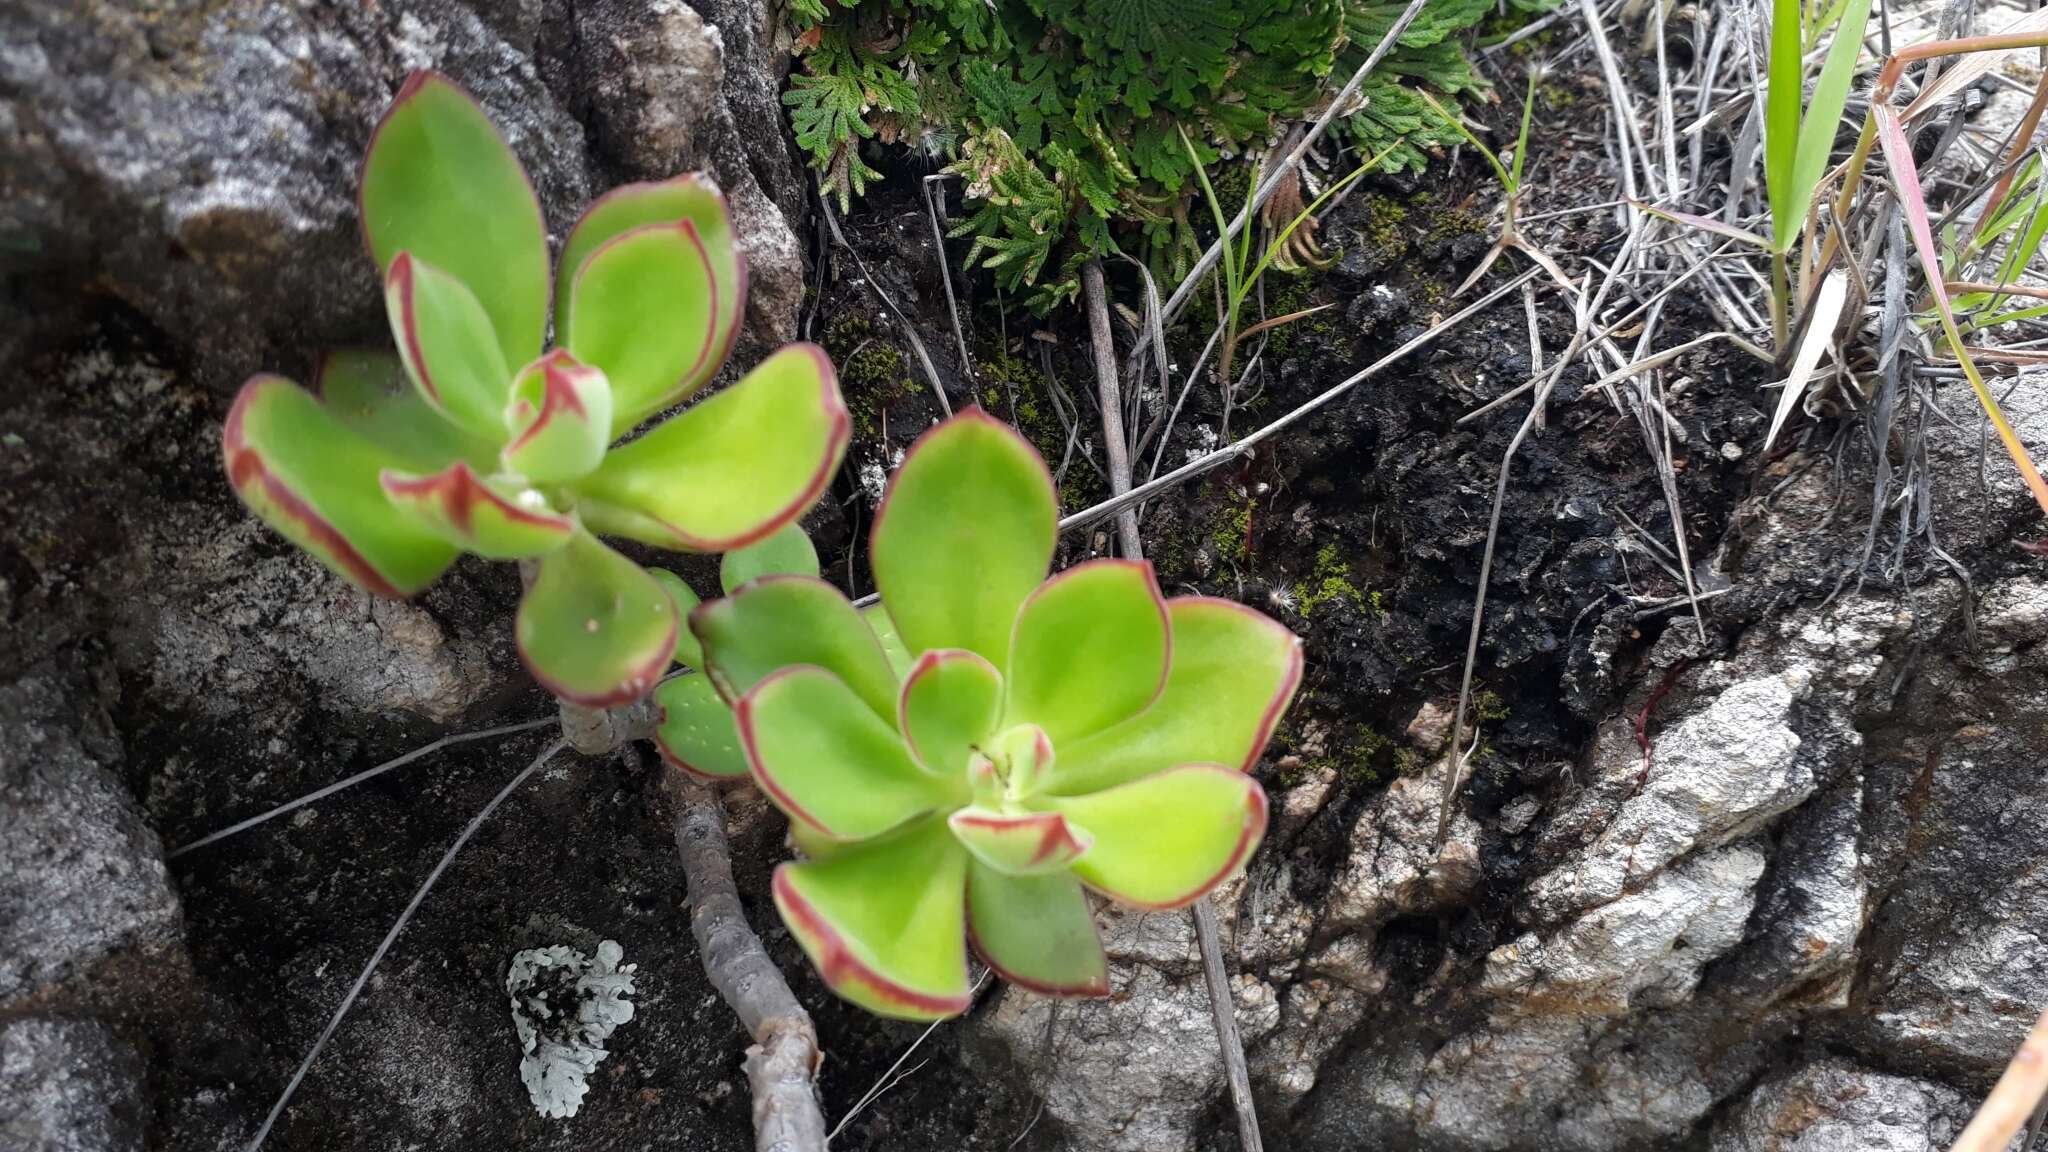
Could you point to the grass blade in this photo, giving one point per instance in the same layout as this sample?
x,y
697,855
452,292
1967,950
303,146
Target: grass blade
x,y
1979,62
1824,109
1820,329
1898,154
1704,224
1782,98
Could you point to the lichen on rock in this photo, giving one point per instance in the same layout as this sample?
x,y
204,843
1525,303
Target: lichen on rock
x,y
565,1005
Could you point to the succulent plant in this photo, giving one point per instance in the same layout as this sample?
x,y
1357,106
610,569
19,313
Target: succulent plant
x,y
471,438
1024,739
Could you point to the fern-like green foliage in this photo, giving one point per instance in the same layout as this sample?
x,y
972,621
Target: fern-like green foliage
x,y
1063,117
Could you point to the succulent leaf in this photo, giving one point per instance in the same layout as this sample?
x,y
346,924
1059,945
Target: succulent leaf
x,y
693,197
686,601
885,632
1167,839
643,308
495,520
445,341
596,629
965,532
1036,931
560,418
697,732
368,390
778,621
949,703
307,474
732,469
788,552
1233,673
827,760
1089,650
1020,843
440,182
884,921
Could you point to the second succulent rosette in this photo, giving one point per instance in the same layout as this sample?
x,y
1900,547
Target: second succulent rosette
x,y
962,765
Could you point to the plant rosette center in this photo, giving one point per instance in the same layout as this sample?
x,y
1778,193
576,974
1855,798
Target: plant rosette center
x,y
967,761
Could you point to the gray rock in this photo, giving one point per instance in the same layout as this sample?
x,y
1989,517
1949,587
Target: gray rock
x,y
80,874
1395,867
68,1086
1834,1106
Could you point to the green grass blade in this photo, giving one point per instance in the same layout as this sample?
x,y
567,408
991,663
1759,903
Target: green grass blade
x,y
1816,140
1279,242
1506,182
1781,121
1215,210
1522,138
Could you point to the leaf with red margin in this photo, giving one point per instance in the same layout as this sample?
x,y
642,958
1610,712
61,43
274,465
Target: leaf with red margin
x,y
1089,649
439,181
1020,843
694,197
731,470
1169,838
368,390
788,552
778,621
697,732
445,341
643,309
560,417
1233,673
497,523
885,632
828,761
308,475
1037,932
885,922
949,704
686,601
595,629
965,533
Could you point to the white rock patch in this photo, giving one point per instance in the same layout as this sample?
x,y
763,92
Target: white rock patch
x,y
565,1006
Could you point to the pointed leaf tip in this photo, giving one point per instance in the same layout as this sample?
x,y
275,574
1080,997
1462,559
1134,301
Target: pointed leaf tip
x,y
560,417
693,197
446,343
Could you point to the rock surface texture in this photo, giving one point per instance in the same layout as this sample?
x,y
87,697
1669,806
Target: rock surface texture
x,y
1764,882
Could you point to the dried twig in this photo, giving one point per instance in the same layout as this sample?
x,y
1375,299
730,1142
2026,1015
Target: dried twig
x,y
783,1062
1221,1006
2012,1099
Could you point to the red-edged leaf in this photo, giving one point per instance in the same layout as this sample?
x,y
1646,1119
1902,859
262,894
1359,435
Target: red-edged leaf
x,y
949,705
1037,932
1169,838
560,418
828,761
439,181
644,308
595,629
1089,649
309,476
368,390
497,523
445,341
1020,843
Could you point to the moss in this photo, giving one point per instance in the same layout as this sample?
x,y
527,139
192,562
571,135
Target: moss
x,y
872,371
1384,217
1488,706
1330,583
1407,762
1232,538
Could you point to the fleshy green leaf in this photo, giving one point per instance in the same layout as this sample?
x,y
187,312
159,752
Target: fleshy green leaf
x,y
440,182
1089,650
693,197
827,760
778,621
368,390
1020,843
786,553
686,601
731,470
1023,760
1232,675
595,629
697,732
1164,840
307,474
885,632
495,521
560,417
1036,932
964,534
445,341
643,308
949,704
884,922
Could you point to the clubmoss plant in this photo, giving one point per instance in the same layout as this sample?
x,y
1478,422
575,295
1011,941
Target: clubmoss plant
x,y
472,438
964,764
